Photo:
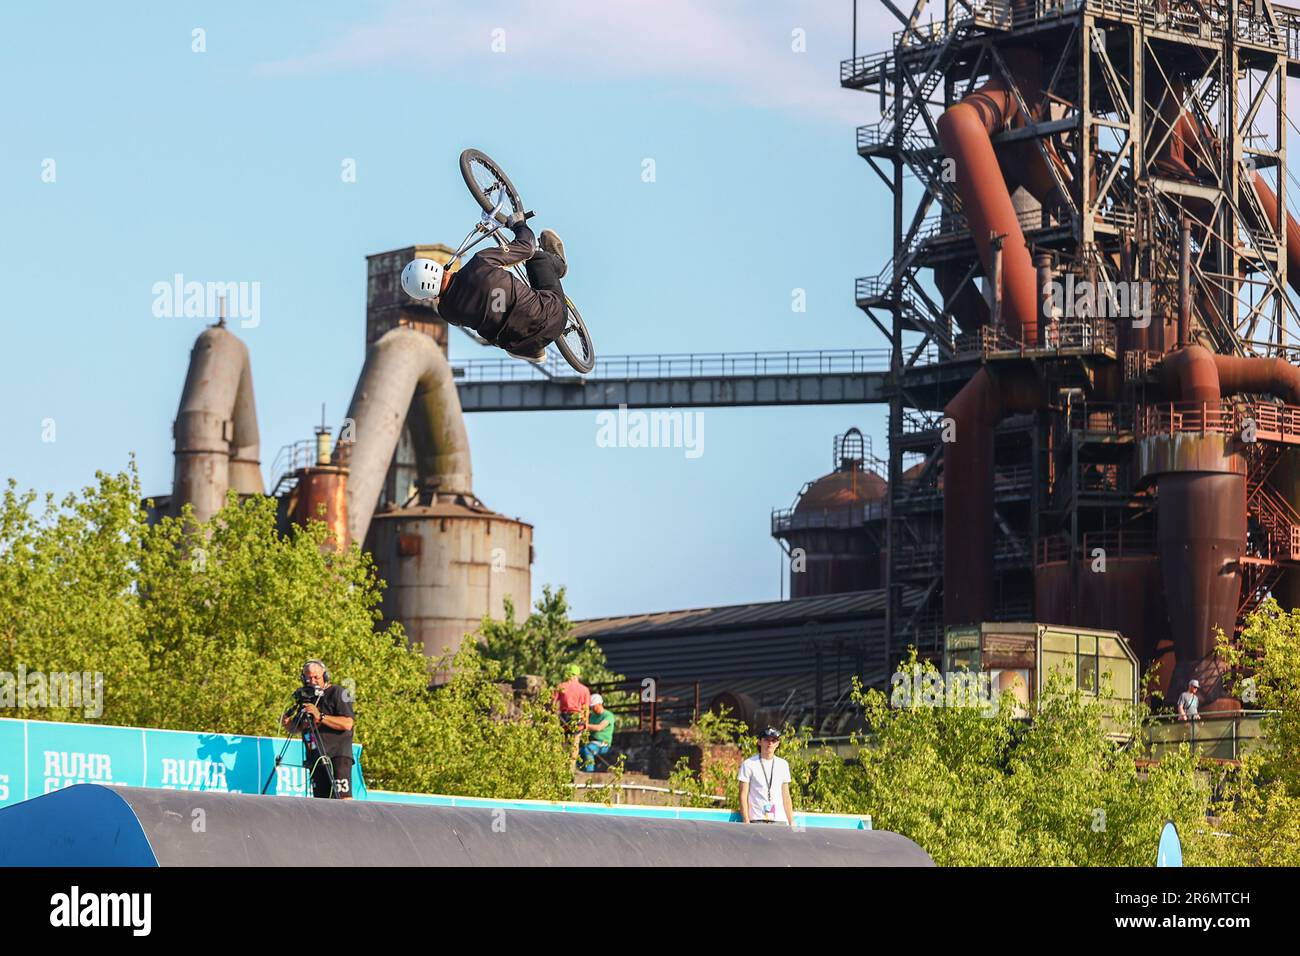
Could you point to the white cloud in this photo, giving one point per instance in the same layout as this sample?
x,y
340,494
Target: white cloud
x,y
720,48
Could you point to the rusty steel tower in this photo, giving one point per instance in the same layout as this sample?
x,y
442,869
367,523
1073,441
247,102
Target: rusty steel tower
x,y
1094,407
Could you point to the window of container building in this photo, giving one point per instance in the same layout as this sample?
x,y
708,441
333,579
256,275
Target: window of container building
x,y
1118,676
1089,665
1060,652
962,652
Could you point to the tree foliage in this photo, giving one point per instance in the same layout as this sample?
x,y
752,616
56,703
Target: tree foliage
x,y
543,643
1259,806
976,789
205,628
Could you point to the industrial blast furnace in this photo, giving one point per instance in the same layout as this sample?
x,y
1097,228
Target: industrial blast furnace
x,y
1094,407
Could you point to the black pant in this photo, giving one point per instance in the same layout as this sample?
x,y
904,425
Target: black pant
x,y
544,272
544,276
320,778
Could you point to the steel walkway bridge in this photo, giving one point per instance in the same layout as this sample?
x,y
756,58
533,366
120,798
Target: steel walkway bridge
x,y
698,380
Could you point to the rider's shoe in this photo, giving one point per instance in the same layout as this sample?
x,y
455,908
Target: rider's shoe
x,y
553,244
537,359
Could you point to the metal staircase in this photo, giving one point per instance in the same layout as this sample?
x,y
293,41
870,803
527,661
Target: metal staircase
x,y
1280,522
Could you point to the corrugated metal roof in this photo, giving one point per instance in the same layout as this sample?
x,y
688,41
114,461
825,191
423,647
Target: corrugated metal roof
x,y
768,650
799,611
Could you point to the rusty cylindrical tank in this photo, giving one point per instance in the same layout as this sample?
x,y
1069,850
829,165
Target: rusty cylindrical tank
x,y
322,495
1201,536
447,565
826,524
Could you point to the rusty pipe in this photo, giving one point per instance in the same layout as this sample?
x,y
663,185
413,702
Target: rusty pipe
x,y
1045,274
997,282
1201,505
1258,376
965,136
1268,199
1191,375
405,373
1195,374
216,438
974,413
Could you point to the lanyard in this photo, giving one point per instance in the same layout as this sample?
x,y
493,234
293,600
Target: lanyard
x,y
767,777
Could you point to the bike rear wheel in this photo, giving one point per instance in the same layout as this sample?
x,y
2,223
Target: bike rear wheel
x,y
575,343
488,183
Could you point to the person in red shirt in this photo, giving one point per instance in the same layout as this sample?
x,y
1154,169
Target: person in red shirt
x,y
573,698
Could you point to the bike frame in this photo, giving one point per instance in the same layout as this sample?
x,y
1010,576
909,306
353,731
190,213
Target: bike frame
x,y
487,226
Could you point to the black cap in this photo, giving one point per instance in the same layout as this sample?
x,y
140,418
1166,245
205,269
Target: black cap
x,y
770,732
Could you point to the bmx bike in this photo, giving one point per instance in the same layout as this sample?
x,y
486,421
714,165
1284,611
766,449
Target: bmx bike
x,y
496,194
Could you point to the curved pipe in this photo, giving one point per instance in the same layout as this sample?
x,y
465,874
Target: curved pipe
x,y
1195,374
1178,155
216,439
405,372
986,202
968,503
965,136
1268,376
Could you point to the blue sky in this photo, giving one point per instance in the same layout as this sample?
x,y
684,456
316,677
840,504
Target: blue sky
x,y
226,165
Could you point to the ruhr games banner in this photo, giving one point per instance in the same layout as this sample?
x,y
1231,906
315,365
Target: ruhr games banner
x,y
39,757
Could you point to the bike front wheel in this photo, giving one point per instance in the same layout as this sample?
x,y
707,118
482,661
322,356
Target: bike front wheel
x,y
575,343
488,184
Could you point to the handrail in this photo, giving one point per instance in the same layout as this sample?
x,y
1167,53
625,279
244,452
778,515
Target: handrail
x,y
688,365
1115,544
1268,421
1169,418
1084,334
849,516
291,458
649,703
1199,733
1210,23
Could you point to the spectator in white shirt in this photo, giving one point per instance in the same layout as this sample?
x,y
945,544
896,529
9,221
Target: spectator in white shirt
x,y
765,784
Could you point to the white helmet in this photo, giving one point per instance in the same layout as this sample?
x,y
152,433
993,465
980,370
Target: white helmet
x,y
422,279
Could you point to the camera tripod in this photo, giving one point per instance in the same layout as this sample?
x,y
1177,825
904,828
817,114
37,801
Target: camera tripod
x,y
312,734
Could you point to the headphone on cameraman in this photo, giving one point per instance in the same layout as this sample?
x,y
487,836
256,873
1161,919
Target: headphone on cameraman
x,y
325,671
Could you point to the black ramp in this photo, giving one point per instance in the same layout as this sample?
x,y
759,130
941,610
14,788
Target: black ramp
x,y
221,829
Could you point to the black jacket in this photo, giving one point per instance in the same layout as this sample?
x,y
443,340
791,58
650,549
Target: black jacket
x,y
490,299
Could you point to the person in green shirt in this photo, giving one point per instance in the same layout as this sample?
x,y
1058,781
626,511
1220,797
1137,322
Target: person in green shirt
x,y
601,725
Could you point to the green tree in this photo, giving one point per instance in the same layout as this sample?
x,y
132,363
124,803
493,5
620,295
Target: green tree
x,y
980,787
205,628
1258,813
484,742
1267,655
68,594
543,644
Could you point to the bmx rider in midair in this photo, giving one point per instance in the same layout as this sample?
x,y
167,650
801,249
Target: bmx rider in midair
x,y
487,298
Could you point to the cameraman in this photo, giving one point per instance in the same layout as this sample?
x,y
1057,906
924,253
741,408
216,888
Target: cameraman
x,y
329,707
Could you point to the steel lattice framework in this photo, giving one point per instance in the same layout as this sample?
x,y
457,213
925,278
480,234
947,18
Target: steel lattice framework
x,y
1115,73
